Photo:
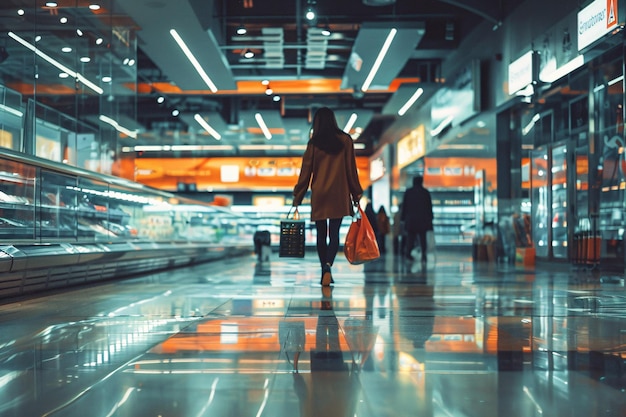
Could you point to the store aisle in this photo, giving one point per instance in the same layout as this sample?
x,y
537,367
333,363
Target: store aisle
x,y
389,339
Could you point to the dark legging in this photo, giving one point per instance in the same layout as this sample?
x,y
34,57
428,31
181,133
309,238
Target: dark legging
x,y
327,250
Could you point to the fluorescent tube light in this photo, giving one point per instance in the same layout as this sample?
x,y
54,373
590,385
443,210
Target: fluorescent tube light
x,y
379,59
167,148
206,126
616,80
205,77
118,127
526,129
11,110
563,70
263,126
350,123
417,94
56,63
263,147
441,126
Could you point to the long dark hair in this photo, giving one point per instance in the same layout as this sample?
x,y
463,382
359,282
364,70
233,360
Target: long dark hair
x,y
325,132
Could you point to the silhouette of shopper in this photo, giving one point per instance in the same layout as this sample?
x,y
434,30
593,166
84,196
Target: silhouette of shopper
x,y
417,215
329,168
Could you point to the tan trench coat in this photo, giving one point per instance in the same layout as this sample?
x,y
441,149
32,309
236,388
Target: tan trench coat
x,y
333,180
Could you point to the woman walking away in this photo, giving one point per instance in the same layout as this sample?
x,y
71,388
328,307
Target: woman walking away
x,y
329,168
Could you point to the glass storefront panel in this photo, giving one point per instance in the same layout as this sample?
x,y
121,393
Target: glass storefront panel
x,y
74,68
540,196
559,205
609,221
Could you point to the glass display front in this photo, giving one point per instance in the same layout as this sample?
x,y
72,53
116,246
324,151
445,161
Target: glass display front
x,y
540,195
559,204
46,202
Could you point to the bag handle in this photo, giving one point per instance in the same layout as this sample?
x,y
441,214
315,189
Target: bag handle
x,y
296,214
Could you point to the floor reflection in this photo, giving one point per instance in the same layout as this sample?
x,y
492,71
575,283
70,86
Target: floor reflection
x,y
261,338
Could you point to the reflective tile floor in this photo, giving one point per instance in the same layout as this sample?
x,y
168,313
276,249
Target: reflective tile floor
x,y
239,338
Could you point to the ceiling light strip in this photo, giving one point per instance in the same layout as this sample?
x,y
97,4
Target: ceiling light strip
x,y
442,126
350,123
417,94
11,110
263,126
118,127
379,59
56,63
181,43
206,126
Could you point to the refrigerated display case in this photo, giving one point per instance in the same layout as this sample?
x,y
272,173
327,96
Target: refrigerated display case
x,y
61,225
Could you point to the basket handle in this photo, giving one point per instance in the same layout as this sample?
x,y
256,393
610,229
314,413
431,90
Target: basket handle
x,y
296,214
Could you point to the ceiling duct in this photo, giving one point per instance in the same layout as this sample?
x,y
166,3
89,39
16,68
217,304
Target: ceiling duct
x,y
316,47
273,41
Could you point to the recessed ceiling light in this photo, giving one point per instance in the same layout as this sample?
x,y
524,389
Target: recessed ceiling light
x,y
248,54
241,30
175,112
79,32
106,79
66,49
265,82
94,6
99,41
64,75
160,99
63,20
276,98
37,38
85,59
21,12
51,4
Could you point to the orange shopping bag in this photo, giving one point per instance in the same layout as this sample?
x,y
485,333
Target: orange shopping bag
x,y
360,245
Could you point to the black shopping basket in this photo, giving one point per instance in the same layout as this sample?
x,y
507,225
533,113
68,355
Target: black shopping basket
x,y
291,237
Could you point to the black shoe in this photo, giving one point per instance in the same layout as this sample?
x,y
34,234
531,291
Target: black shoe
x,y
327,277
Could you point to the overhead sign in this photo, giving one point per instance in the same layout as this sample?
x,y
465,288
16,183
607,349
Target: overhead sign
x,y
521,72
595,21
411,147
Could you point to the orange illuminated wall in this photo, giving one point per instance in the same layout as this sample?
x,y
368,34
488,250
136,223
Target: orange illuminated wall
x,y
458,172
223,173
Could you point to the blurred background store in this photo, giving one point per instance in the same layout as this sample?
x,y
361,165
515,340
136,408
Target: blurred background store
x,y
164,121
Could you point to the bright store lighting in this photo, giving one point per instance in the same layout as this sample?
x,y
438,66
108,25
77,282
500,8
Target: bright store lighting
x,y
183,46
11,110
379,59
310,14
263,126
441,126
348,127
562,71
118,127
206,126
56,63
410,101
94,7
